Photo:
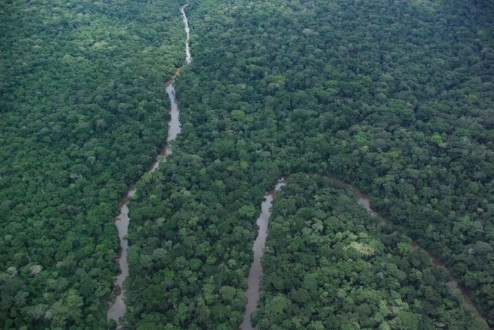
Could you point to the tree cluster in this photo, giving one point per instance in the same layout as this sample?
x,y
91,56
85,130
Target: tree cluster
x,y
330,265
83,113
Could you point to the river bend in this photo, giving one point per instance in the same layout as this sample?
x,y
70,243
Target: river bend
x,y
255,273
116,308
364,201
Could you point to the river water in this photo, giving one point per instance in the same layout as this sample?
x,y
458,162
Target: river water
x,y
364,201
188,58
117,307
255,272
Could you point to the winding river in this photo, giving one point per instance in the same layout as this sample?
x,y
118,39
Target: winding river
x,y
188,58
452,283
364,201
117,307
255,272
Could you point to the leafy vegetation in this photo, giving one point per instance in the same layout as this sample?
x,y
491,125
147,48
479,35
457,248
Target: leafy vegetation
x,y
330,265
190,238
83,112
393,96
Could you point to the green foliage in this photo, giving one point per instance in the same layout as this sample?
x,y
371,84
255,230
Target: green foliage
x,y
395,97
83,112
329,260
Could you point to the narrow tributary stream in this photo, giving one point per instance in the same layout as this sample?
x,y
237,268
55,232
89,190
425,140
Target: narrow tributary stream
x,y
364,201
117,307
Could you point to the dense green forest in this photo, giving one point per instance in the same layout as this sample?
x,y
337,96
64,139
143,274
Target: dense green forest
x,y
396,97
83,113
330,265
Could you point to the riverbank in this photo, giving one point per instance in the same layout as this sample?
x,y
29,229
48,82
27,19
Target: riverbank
x,y
117,308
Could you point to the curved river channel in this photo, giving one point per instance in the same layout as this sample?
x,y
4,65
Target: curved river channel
x,y
255,273
364,201
116,307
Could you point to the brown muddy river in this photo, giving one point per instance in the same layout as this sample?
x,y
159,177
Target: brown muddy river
x,y
255,272
116,308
